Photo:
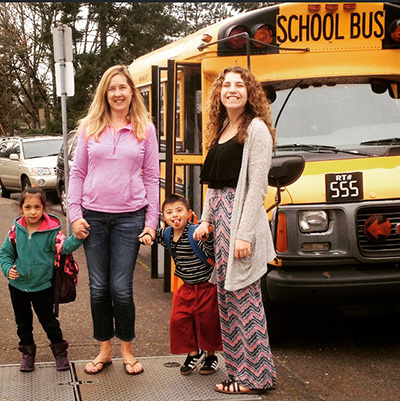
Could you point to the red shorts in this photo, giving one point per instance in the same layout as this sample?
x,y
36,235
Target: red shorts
x,y
195,319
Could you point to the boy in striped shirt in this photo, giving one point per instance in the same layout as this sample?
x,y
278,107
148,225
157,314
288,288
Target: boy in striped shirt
x,y
194,323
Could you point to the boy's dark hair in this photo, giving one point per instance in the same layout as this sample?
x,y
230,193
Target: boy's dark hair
x,y
175,198
33,191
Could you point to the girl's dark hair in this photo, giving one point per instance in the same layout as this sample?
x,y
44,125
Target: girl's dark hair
x,y
175,198
33,191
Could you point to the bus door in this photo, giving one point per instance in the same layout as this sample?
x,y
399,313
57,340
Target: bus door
x,y
183,148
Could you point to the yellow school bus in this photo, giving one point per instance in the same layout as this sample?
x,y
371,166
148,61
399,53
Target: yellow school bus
x,y
331,72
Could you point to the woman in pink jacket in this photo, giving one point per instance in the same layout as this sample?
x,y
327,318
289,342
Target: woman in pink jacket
x,y
114,193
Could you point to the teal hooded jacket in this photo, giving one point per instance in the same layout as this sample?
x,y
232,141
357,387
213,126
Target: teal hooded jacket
x,y
36,252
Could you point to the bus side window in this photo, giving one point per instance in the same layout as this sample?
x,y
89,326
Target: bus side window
x,y
188,131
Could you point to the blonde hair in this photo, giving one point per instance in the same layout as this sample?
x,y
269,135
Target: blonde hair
x,y
257,106
99,114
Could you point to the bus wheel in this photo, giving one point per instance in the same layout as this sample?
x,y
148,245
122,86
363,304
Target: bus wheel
x,y
278,316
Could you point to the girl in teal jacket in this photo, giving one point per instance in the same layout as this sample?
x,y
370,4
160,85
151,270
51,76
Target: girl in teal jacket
x,y
30,270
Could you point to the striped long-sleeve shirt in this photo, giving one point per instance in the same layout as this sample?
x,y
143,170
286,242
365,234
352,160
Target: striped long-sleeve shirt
x,y
188,266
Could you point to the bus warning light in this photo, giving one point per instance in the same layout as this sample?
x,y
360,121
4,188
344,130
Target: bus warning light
x,y
238,42
262,33
395,30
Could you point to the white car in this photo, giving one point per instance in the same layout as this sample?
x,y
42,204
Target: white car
x,y
28,161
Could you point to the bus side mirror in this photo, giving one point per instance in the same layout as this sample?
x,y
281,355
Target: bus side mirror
x,y
285,170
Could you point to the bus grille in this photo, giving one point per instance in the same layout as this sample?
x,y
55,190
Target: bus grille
x,y
389,247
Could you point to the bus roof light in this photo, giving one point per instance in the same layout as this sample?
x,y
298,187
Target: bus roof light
x,y
206,38
349,6
314,8
331,7
395,30
262,33
238,42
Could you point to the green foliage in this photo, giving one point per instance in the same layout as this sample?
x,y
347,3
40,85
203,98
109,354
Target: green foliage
x,y
104,34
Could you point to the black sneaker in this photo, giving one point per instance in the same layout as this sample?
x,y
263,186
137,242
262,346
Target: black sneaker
x,y
191,362
210,365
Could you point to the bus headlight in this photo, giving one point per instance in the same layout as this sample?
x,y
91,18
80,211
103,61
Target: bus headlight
x,y
312,221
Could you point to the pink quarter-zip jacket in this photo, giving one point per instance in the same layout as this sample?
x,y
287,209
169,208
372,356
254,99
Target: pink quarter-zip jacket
x,y
117,174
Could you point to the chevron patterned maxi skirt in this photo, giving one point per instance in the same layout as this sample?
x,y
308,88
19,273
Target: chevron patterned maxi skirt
x,y
245,340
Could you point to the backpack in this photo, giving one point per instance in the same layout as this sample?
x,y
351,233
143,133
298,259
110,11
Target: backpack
x,y
193,243
65,274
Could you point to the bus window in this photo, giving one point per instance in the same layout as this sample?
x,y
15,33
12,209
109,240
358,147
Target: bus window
x,y
145,92
188,110
161,128
187,184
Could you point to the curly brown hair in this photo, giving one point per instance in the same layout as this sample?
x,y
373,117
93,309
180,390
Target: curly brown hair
x,y
257,106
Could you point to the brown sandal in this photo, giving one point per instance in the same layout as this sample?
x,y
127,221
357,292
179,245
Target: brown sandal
x,y
132,365
105,364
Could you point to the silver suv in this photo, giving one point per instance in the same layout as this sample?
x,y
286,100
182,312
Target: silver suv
x,y
28,161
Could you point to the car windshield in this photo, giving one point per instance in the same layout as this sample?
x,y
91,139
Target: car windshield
x,y
345,116
42,148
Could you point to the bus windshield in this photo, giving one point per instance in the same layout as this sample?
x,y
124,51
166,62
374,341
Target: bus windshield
x,y
347,116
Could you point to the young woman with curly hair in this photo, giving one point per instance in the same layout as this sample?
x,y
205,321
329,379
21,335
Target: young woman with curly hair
x,y
241,139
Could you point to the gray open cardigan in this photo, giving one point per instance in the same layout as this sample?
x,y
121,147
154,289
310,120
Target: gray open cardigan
x,y
249,218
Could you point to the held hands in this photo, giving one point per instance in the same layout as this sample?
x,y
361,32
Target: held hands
x,y
147,236
13,274
202,231
80,228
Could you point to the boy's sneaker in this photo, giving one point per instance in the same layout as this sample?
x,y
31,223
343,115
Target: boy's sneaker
x,y
210,365
191,362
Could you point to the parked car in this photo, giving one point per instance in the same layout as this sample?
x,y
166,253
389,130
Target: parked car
x,y
28,161
72,142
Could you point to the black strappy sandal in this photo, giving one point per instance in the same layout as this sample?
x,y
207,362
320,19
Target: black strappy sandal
x,y
227,385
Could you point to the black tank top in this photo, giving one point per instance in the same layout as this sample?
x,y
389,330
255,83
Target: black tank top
x,y
222,165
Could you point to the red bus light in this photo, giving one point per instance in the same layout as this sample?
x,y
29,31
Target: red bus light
x,y
331,7
263,34
313,8
349,6
395,30
239,42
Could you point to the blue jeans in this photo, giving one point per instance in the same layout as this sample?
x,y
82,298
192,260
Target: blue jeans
x,y
111,251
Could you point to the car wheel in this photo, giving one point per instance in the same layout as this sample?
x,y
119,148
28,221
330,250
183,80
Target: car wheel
x,y
25,183
4,192
63,200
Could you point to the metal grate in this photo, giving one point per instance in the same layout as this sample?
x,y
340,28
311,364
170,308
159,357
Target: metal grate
x,y
389,247
157,383
44,383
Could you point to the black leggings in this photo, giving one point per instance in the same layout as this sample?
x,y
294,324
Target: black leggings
x,y
42,302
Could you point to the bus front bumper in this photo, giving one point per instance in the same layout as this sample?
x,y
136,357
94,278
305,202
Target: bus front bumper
x,y
333,286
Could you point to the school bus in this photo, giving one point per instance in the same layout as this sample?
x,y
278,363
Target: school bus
x,y
331,72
